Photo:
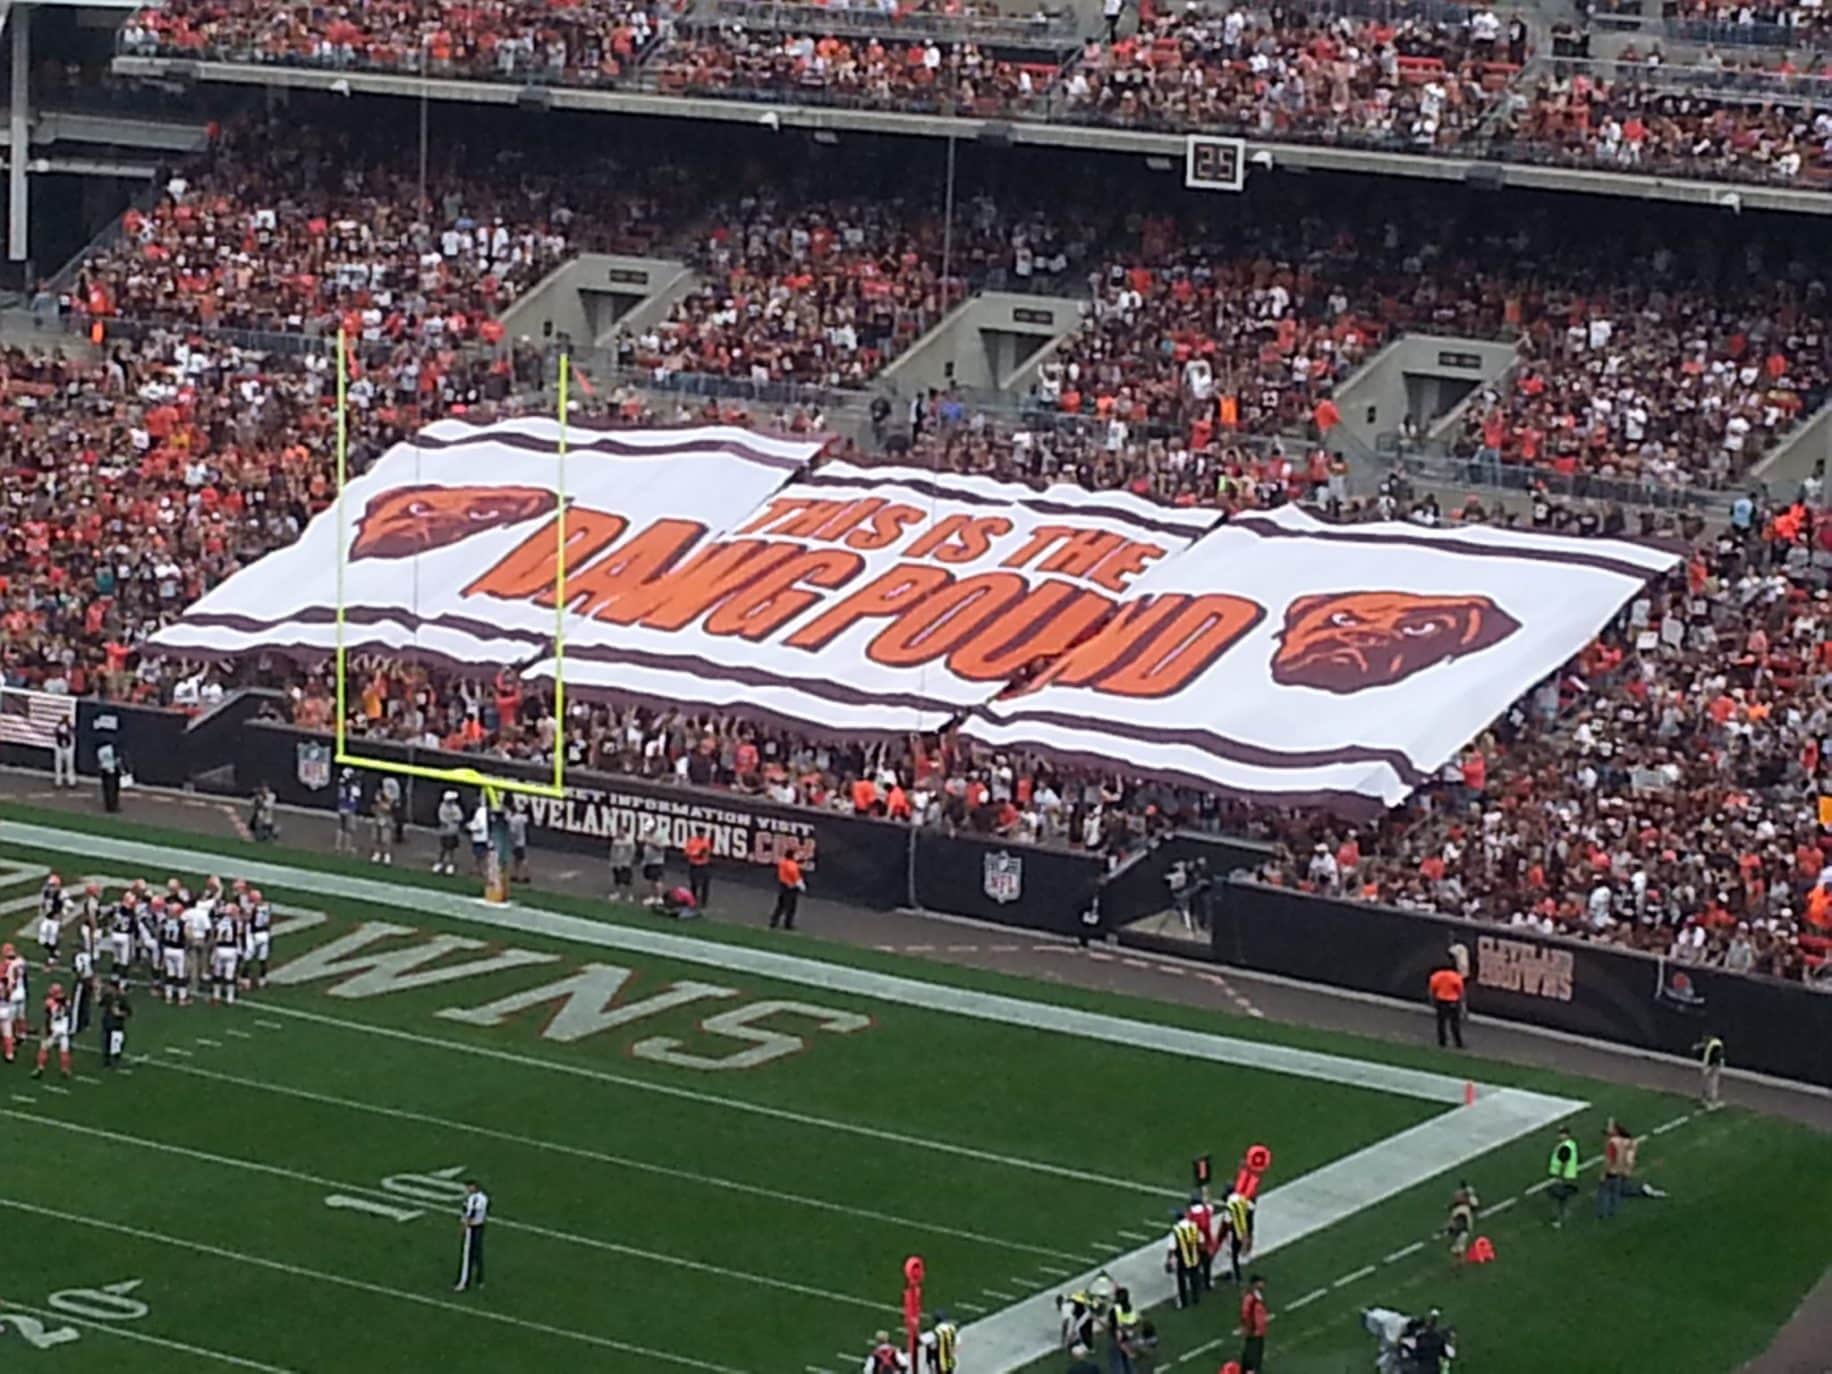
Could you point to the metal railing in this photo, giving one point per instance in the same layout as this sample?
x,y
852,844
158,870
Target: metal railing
x,y
1483,137
1730,83
603,371
1054,30
1435,463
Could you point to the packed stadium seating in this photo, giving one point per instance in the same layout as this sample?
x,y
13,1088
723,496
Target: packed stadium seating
x,y
1460,82
582,43
140,477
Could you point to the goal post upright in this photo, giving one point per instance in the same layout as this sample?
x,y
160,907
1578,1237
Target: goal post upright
x,y
491,785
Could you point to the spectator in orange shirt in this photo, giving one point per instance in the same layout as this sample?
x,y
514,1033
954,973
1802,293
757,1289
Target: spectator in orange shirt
x,y
789,887
698,852
1447,1000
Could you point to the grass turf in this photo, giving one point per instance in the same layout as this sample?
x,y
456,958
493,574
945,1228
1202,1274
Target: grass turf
x,y
634,1198
1693,1283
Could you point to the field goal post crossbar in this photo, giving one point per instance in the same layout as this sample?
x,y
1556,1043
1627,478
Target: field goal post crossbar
x,y
493,786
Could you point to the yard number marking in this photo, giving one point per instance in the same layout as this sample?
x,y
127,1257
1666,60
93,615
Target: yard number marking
x,y
112,1302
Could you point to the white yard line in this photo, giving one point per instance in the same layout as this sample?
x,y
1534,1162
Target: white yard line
x,y
53,1088
339,1186
1499,1207
1541,1186
619,1161
1307,1299
206,1040
1354,1277
790,968
237,1034
1403,1252
728,1104
362,1286
28,1101
1672,1125
1028,1329
1202,1349
145,1338
182,1054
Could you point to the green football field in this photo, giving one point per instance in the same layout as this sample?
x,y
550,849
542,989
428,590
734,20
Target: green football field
x,y
712,1149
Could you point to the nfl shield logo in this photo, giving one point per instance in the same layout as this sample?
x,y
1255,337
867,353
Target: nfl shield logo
x,y
1003,877
314,765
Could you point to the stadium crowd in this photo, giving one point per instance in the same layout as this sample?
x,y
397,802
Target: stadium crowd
x,y
1279,73
137,479
827,292
574,43
302,231
1273,72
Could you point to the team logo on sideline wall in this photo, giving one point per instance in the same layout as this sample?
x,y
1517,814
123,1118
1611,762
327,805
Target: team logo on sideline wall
x,y
1003,877
314,765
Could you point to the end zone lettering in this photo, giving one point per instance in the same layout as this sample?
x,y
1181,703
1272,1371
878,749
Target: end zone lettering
x,y
745,836
1518,966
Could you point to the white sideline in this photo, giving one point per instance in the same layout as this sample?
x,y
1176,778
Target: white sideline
x,y
1028,1330
788,968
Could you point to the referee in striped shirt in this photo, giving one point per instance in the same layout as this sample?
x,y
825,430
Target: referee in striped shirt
x,y
471,1220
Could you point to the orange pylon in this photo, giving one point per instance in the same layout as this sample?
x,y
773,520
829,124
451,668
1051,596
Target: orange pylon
x,y
1481,1251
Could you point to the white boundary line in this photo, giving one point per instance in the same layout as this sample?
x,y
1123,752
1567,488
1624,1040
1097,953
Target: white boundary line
x,y
618,1161
1026,1330
129,1334
1029,1329
545,1232
735,1104
789,968
362,1286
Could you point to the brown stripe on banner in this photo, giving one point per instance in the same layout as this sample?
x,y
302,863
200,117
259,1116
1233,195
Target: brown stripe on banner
x,y
614,448
693,665
1352,806
1223,746
1266,529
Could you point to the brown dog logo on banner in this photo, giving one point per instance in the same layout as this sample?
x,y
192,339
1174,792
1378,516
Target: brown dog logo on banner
x,y
410,520
1349,641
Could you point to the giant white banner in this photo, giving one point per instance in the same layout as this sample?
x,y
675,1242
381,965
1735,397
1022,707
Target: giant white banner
x,y
433,516
1289,661
857,598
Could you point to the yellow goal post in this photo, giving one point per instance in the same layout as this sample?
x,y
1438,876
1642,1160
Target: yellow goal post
x,y
492,785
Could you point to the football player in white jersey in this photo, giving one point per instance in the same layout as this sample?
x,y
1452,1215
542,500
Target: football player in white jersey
x,y
171,951
260,936
57,1033
50,918
121,934
225,954
12,999
147,917
199,925
83,964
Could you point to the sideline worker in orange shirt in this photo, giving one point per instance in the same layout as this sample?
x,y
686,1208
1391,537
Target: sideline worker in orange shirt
x,y
789,887
698,851
1447,998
